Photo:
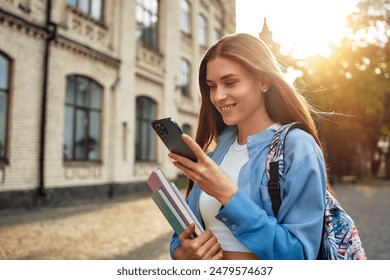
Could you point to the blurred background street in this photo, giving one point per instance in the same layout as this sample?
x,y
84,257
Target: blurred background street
x,y
134,229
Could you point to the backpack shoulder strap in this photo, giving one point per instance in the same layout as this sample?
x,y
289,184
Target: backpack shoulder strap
x,y
275,164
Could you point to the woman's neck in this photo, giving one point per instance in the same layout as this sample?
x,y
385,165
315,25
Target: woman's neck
x,y
245,131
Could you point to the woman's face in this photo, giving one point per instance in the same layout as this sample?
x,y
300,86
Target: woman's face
x,y
235,92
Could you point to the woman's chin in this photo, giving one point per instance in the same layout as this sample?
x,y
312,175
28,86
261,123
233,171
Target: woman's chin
x,y
229,121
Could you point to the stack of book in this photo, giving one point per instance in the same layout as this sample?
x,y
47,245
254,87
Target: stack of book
x,y
172,204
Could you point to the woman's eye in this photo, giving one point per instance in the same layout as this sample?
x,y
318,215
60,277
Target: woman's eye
x,y
212,87
230,83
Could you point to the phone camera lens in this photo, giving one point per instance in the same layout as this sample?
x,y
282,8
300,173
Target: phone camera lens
x,y
160,129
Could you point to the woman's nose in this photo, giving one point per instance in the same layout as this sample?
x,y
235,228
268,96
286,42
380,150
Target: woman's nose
x,y
220,93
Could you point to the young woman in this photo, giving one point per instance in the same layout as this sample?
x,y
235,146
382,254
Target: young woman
x,y
245,99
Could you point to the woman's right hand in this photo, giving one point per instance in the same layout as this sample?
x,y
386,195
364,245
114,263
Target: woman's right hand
x,y
203,247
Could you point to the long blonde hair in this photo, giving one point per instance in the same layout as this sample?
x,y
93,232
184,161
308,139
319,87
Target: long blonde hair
x,y
283,102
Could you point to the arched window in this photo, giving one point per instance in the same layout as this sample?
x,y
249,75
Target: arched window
x,y
185,20
82,137
5,66
202,32
145,138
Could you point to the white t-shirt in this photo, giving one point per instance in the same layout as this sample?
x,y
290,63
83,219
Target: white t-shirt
x,y
234,159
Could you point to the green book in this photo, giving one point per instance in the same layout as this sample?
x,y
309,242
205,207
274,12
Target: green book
x,y
169,211
156,181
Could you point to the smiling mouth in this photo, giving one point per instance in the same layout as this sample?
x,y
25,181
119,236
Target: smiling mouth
x,y
227,108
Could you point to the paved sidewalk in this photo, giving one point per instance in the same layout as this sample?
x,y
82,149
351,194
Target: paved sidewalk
x,y
128,229
134,229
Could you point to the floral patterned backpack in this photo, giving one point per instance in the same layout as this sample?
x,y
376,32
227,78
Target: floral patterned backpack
x,y
340,239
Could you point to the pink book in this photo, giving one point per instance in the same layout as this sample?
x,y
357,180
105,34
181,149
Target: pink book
x,y
158,180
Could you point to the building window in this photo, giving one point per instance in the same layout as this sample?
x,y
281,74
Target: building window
x,y
185,77
185,23
5,64
202,31
93,8
217,35
147,22
82,136
145,144
187,129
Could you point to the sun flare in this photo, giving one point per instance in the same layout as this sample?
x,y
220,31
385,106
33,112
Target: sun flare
x,y
303,27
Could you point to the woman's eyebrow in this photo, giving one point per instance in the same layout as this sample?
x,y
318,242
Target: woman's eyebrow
x,y
227,76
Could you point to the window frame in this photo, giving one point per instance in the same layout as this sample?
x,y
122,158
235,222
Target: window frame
x,y
187,129
217,34
185,77
86,112
7,93
202,30
143,127
185,17
148,37
76,4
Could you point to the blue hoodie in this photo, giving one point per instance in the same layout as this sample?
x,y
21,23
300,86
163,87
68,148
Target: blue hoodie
x,y
296,232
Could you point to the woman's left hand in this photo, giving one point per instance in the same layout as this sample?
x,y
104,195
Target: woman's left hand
x,y
205,173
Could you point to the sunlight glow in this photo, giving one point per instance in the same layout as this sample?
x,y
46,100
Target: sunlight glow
x,y
303,27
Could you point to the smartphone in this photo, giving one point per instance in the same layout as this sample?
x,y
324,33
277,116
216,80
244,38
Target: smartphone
x,y
170,133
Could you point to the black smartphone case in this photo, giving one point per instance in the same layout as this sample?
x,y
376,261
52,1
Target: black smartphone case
x,y
170,133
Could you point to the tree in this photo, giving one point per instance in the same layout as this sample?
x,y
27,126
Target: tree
x,y
353,83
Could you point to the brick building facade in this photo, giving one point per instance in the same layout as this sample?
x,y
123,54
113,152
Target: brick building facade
x,y
80,81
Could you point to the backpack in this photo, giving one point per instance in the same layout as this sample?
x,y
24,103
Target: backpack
x,y
340,239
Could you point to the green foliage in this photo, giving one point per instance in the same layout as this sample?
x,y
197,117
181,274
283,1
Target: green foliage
x,y
353,83
385,130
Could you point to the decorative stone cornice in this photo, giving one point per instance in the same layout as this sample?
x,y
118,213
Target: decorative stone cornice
x,y
19,24
83,50
149,79
150,60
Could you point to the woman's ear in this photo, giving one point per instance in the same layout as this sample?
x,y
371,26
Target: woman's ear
x,y
264,84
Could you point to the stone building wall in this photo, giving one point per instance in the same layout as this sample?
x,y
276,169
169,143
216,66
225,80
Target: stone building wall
x,y
108,53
